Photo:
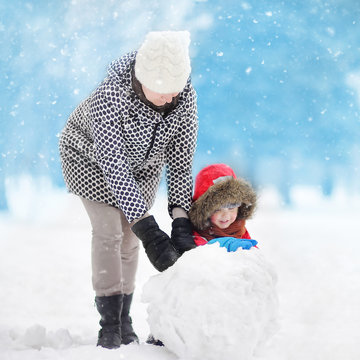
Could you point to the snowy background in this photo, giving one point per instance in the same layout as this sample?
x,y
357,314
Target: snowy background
x,y
278,80
279,94
47,309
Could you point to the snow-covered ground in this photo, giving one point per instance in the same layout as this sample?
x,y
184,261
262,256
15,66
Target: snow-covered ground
x,y
47,309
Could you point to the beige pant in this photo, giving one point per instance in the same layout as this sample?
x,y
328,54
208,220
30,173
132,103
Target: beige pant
x,y
115,250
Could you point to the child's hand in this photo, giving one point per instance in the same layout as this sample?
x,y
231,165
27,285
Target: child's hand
x,y
232,244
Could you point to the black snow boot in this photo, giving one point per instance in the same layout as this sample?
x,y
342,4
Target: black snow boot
x,y
152,341
109,307
128,335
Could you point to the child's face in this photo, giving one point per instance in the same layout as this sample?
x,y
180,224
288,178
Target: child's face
x,y
223,218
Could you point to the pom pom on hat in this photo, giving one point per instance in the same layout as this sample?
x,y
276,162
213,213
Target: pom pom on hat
x,y
162,61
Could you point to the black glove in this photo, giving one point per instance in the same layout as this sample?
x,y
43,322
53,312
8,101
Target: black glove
x,y
181,235
158,247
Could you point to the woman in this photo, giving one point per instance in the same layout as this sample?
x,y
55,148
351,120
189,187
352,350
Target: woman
x,y
113,149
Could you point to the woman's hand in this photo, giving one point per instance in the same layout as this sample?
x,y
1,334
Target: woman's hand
x,y
158,247
181,235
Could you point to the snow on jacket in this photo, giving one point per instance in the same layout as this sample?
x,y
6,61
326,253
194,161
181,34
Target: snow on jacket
x,y
114,147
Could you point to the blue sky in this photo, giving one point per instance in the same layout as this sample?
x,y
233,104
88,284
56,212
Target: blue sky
x,y
278,82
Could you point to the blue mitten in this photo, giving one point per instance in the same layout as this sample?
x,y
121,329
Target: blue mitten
x,y
232,244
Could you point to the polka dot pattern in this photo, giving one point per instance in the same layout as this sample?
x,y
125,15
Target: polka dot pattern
x,y
114,147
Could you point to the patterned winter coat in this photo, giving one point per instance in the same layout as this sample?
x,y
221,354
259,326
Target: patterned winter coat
x,y
114,147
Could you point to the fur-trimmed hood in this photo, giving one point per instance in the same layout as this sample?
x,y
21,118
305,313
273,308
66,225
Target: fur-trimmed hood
x,y
216,186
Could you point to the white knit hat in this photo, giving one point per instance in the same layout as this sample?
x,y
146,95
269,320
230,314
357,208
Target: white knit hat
x,y
163,62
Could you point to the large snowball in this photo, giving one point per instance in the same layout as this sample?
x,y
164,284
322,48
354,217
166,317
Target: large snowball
x,y
213,304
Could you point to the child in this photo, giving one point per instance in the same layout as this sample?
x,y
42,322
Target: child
x,y
221,205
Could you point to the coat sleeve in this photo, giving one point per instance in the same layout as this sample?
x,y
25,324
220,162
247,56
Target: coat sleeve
x,y
198,239
246,235
179,157
111,157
